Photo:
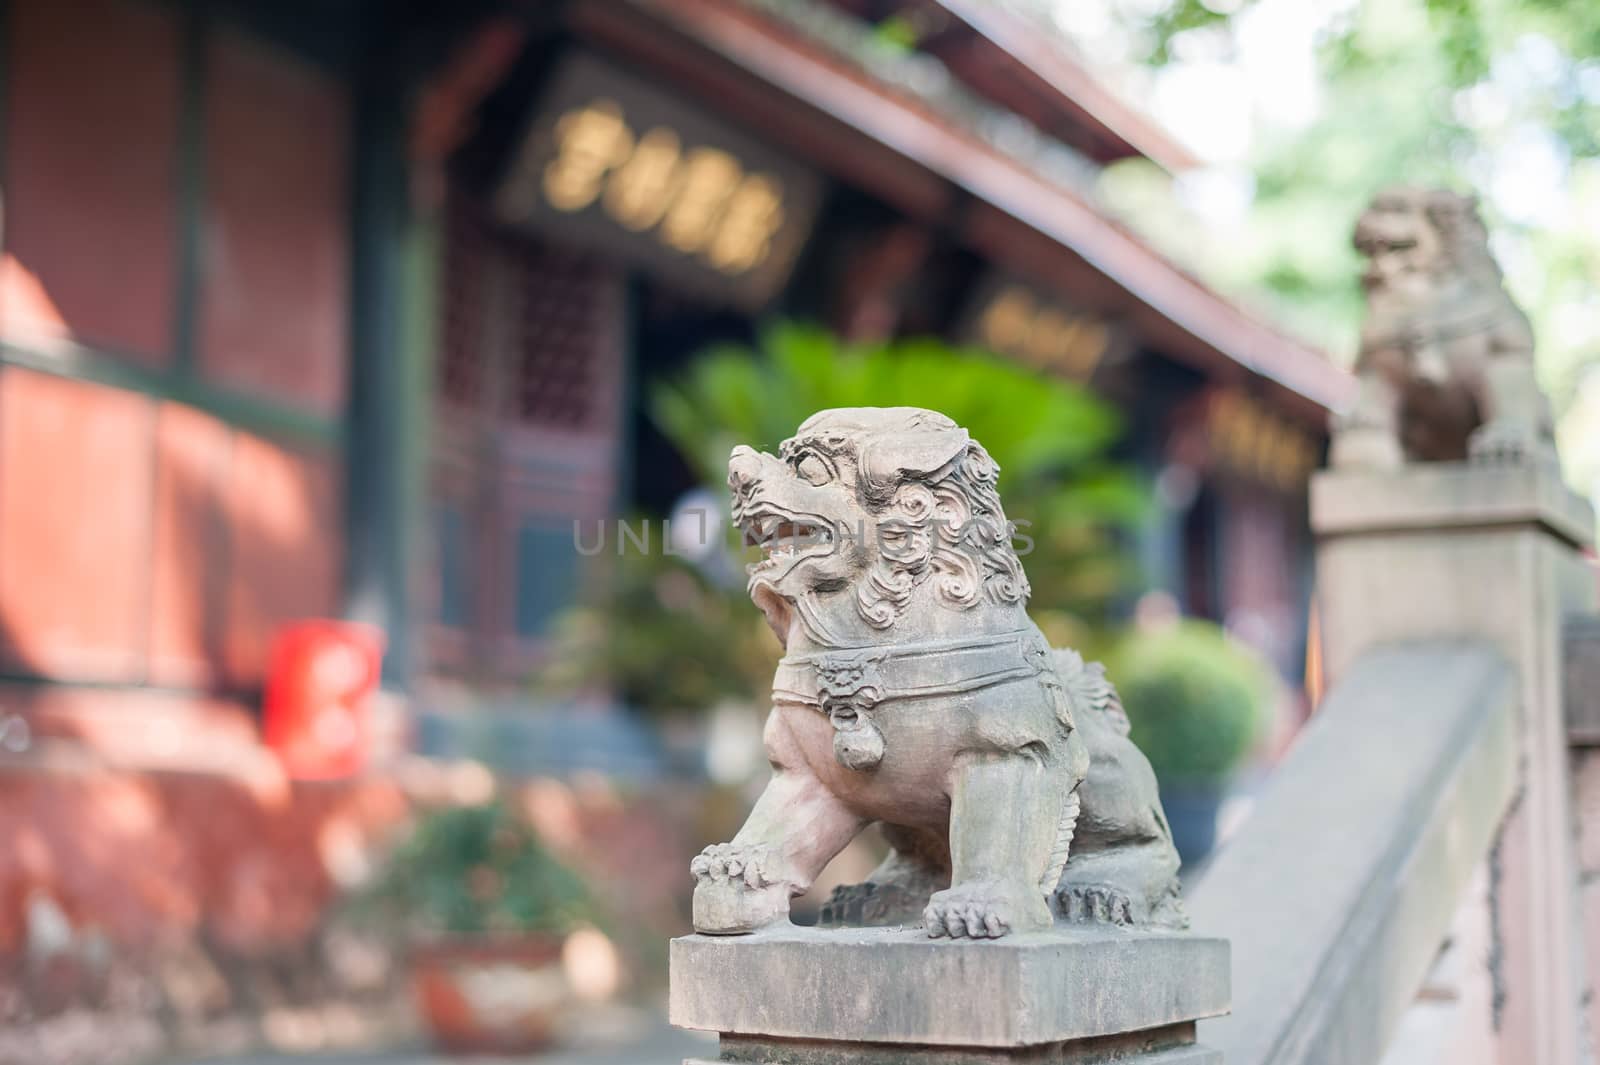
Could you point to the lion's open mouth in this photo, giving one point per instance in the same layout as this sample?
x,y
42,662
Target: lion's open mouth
x,y
784,539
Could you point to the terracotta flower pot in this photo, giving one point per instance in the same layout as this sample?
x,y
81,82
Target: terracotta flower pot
x,y
494,996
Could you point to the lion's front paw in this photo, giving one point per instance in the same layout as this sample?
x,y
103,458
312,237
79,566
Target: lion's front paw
x,y
1362,443
985,910
1098,902
1360,417
1507,442
755,864
739,888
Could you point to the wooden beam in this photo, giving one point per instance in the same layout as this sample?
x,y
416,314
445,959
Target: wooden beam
x,y
750,99
1009,54
1205,324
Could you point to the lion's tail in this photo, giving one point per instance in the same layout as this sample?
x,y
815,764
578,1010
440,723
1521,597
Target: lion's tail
x,y
1088,690
1065,829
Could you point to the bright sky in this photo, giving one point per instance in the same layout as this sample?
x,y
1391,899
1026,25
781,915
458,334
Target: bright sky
x,y
1228,86
1223,88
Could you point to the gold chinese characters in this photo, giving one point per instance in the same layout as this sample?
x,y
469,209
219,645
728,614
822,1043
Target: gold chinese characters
x,y
1042,335
699,200
1254,442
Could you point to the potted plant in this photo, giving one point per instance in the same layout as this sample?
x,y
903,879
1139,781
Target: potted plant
x,y
1197,700
487,913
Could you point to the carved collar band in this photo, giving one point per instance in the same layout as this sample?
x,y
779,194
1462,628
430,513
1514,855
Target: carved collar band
x,y
854,680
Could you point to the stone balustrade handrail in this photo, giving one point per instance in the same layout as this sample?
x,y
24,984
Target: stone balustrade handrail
x,y
1339,889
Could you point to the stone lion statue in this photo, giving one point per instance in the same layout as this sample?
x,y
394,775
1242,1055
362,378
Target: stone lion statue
x,y
1446,359
916,693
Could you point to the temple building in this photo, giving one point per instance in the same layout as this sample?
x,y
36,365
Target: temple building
x,y
342,309
642,181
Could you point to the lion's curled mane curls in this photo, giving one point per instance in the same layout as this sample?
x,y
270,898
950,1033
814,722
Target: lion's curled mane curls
x,y
948,527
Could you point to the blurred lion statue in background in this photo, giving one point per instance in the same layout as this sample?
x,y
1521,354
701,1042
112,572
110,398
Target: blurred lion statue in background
x,y
916,693
1445,368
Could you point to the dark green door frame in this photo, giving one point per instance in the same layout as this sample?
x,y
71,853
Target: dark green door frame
x,y
382,407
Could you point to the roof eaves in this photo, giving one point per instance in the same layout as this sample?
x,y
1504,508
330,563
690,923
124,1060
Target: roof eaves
x,y
988,173
1079,89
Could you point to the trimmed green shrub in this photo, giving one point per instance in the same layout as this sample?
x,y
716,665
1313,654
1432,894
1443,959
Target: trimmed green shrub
x,y
1198,700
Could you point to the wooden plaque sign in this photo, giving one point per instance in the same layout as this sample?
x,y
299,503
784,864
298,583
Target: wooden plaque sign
x,y
610,161
1019,319
1248,439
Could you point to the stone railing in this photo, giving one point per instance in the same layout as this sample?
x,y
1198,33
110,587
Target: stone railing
x,y
1441,748
1338,895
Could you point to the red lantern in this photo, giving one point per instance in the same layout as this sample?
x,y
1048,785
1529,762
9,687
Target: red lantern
x,y
320,682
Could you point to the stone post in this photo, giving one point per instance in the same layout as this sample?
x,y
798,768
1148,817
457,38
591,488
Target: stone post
x,y
893,996
1484,552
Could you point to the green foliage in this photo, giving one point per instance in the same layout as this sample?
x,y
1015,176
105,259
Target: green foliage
x,y
898,33
672,635
1049,436
1029,424
667,637
475,869
1197,699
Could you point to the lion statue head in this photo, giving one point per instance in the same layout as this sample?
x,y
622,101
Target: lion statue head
x,y
1423,246
866,511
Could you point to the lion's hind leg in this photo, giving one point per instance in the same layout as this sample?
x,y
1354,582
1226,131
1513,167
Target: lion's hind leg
x,y
1516,415
918,864
1132,884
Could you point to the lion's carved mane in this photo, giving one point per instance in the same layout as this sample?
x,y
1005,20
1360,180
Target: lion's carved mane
x,y
948,528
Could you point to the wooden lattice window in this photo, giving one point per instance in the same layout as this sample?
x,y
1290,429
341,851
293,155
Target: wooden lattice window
x,y
560,328
463,357
528,436
527,328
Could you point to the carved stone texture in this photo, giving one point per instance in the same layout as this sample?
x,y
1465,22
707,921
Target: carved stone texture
x,y
907,996
1446,360
915,692
1457,553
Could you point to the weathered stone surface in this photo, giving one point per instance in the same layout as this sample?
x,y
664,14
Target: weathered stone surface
x,y
1174,1046
1586,789
1335,893
1445,496
915,692
1502,561
895,985
1492,554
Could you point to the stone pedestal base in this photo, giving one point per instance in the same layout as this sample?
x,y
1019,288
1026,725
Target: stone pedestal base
x,y
1158,1050
1491,554
891,996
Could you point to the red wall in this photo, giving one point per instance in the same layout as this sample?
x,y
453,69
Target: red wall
x,y
91,168
145,540
170,488
142,540
272,317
